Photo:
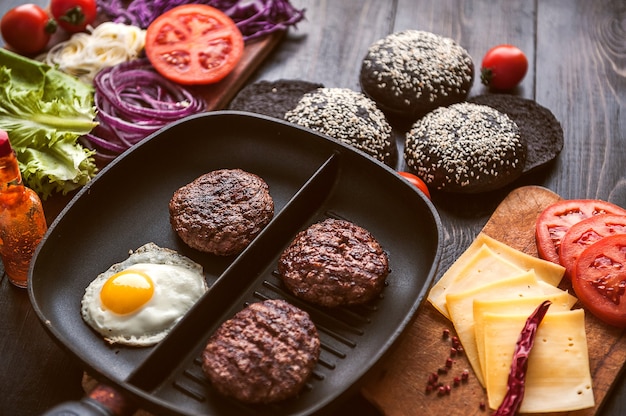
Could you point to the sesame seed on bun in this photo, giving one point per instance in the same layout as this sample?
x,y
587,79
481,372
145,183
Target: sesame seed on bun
x,y
412,72
348,116
466,148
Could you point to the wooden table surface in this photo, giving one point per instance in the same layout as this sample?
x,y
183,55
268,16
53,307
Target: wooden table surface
x,y
577,57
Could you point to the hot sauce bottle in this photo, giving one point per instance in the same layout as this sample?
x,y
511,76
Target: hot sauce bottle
x,y
22,220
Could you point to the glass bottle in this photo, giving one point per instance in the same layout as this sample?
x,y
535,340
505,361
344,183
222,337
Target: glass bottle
x,y
22,220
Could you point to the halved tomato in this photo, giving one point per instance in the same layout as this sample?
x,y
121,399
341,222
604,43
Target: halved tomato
x,y
586,232
599,279
194,44
557,218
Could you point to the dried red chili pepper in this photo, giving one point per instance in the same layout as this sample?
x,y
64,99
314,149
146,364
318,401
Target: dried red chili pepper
x,y
517,377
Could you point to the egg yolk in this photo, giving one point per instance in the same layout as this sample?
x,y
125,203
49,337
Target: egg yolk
x,y
126,291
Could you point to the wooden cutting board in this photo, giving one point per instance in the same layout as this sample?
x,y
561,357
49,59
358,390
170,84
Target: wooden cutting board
x,y
399,388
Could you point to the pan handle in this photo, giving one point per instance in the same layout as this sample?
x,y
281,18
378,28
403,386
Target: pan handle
x,y
102,401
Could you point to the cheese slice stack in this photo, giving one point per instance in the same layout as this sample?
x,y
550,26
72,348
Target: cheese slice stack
x,y
461,307
487,260
488,294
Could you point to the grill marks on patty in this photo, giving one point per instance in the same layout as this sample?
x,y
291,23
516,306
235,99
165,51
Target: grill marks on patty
x,y
334,263
222,211
264,354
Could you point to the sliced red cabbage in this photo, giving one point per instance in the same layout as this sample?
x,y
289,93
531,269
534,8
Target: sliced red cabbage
x,y
254,18
133,101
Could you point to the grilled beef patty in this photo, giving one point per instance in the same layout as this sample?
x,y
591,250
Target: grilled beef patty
x,y
264,354
221,211
333,263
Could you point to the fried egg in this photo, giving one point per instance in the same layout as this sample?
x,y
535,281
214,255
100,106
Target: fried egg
x,y
138,301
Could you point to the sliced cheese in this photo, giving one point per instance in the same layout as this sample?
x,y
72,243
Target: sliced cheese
x,y
483,267
461,308
547,271
561,301
558,378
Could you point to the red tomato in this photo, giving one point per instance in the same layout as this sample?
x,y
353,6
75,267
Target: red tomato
x,y
557,219
599,279
74,15
503,67
194,44
416,181
27,28
586,232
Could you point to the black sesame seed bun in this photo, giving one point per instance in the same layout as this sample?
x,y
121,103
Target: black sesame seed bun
x,y
348,116
412,72
466,148
272,98
539,128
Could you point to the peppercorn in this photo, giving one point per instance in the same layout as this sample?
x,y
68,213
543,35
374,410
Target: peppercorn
x,y
465,375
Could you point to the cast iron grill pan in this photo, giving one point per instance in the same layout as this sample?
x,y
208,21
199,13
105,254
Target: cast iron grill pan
x,y
311,177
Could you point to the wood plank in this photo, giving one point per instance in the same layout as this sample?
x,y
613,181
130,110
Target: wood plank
x,y
399,387
581,77
329,45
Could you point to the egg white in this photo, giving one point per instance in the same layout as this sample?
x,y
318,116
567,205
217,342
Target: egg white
x,y
178,284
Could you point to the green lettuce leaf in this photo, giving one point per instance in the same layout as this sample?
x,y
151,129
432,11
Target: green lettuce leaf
x,y
45,111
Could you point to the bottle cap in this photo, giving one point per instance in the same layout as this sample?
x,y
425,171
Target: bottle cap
x,y
5,144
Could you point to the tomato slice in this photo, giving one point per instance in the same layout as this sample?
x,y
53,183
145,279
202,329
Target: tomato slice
x,y
586,232
194,44
599,279
557,218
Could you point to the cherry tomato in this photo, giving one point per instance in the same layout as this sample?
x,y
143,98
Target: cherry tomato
x,y
559,217
74,15
503,67
27,28
586,232
194,44
416,181
599,279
